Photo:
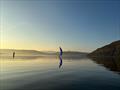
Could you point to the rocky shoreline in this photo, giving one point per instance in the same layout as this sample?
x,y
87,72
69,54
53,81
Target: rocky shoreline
x,y
110,50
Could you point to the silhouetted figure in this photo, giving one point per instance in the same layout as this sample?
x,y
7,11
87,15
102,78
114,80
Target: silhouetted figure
x,y
60,57
13,54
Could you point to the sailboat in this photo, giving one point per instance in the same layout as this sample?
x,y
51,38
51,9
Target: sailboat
x,y
60,57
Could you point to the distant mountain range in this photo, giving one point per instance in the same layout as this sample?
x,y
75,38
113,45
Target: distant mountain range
x,y
23,52
110,50
35,53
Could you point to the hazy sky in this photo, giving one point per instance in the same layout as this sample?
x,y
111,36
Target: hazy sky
x,y
82,25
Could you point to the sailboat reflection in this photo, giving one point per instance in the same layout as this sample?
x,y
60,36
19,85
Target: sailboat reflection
x,y
60,57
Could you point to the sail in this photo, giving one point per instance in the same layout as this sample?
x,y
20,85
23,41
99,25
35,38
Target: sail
x,y
60,57
61,52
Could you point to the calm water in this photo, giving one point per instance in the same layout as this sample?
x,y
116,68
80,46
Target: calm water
x,y
44,74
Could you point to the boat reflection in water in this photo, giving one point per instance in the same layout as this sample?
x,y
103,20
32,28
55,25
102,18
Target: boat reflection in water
x,y
111,63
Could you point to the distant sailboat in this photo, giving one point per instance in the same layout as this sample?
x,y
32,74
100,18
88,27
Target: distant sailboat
x,y
60,57
61,52
13,54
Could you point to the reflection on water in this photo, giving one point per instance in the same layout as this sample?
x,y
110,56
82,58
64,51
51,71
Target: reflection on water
x,y
110,63
43,73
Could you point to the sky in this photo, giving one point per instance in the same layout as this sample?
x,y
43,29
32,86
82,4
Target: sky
x,y
75,25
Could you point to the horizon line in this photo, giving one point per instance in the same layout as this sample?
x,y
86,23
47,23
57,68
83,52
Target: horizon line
x,y
45,50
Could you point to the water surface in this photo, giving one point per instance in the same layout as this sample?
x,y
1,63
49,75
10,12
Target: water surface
x,y
44,74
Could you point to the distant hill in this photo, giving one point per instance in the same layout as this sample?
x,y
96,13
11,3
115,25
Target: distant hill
x,y
29,53
9,52
109,50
